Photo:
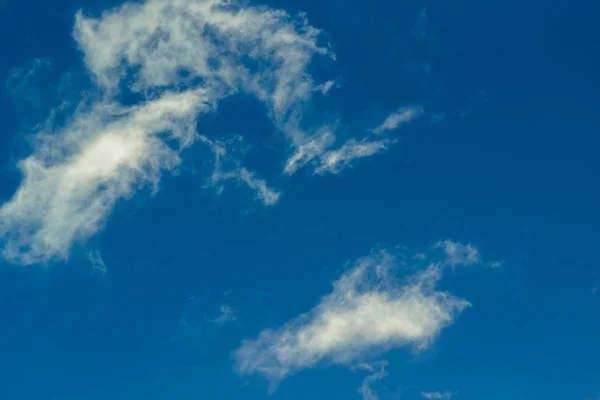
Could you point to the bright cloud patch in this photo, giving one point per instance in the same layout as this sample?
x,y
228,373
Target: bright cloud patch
x,y
215,43
369,311
75,176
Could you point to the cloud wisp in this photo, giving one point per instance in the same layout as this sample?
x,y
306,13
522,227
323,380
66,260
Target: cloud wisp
x,y
226,315
378,372
334,161
458,253
234,171
437,395
368,312
398,118
98,265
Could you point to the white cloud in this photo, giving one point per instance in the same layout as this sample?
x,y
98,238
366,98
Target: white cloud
x,y
72,181
458,253
238,173
378,372
400,117
263,192
368,312
310,148
325,87
437,395
335,160
207,39
181,57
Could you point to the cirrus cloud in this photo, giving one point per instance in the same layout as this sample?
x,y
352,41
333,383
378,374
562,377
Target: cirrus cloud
x,y
398,118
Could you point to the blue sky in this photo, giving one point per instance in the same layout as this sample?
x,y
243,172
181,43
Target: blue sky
x,y
299,199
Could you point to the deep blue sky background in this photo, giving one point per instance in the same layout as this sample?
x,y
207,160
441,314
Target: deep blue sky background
x,y
511,166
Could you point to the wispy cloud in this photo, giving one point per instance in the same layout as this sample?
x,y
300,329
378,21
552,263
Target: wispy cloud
x,y
458,253
437,395
310,149
98,265
335,160
325,87
23,83
378,372
226,315
180,57
398,118
234,171
369,311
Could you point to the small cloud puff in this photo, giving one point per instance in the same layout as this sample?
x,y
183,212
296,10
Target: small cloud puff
x,y
458,253
368,312
437,395
226,315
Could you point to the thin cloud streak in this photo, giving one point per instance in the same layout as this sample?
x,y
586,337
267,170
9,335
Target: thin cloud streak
x,y
335,160
398,118
378,372
437,395
228,168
